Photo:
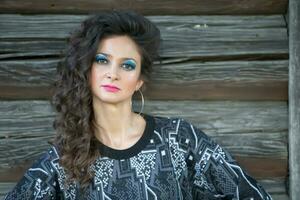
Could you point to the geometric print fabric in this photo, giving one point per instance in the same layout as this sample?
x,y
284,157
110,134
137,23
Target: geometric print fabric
x,y
172,160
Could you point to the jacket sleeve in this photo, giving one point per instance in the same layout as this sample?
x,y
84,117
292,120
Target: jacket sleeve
x,y
215,174
38,182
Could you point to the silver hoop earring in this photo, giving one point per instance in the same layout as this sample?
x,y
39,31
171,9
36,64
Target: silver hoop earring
x,y
143,101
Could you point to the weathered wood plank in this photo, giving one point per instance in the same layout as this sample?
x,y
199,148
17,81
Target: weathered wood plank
x,y
242,80
229,21
6,187
191,22
263,167
203,51
59,26
148,7
203,37
206,27
25,49
280,197
274,185
252,131
217,118
294,96
225,116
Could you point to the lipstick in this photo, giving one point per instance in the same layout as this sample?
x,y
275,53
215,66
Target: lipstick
x,y
110,88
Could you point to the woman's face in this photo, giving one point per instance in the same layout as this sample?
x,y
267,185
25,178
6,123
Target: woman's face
x,y
116,70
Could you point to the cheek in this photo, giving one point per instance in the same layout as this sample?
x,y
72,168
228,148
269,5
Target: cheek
x,y
94,78
131,82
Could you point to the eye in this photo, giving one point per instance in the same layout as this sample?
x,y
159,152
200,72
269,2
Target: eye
x,y
129,65
100,59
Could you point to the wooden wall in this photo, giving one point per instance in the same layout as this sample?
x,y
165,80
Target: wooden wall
x,y
225,69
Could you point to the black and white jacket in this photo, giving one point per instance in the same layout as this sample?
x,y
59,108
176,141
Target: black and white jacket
x,y
172,160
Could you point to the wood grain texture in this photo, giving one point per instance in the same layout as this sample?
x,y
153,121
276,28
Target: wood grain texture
x,y
6,187
294,97
31,45
203,28
190,80
210,57
252,131
147,7
202,37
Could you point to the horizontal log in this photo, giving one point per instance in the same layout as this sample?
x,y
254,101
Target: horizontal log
x,y
276,187
170,50
268,167
202,37
37,41
189,80
254,132
5,187
243,80
197,22
199,28
148,7
280,197
16,49
216,117
59,26
229,21
250,143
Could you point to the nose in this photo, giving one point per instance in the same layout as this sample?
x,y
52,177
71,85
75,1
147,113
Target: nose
x,y
113,72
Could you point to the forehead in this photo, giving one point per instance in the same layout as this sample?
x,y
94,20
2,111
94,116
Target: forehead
x,y
119,47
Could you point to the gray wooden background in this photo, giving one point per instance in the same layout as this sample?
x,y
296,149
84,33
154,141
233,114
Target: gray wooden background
x,y
225,69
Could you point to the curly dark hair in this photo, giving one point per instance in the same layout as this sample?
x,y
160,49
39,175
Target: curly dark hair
x,y
72,97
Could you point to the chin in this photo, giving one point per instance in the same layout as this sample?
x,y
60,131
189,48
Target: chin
x,y
110,99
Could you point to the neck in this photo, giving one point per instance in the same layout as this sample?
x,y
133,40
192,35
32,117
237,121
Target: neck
x,y
114,122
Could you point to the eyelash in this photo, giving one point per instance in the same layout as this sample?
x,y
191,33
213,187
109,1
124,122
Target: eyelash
x,y
104,61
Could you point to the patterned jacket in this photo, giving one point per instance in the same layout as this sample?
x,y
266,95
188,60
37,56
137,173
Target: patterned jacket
x,y
172,160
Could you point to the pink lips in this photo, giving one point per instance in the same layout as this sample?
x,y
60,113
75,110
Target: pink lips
x,y
111,88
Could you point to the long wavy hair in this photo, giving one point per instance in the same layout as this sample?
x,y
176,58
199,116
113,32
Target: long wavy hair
x,y
72,99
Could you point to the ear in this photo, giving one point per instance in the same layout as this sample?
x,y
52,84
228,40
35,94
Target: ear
x,y
139,84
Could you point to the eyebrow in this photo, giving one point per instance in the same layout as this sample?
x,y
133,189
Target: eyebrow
x,y
124,58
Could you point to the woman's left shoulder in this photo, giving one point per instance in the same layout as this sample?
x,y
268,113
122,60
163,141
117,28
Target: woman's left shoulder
x,y
182,127
169,119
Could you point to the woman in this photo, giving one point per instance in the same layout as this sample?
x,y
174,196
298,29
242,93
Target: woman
x,y
105,150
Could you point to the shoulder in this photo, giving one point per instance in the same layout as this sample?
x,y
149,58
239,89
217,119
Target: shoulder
x,y
45,162
50,155
183,130
38,181
175,122
172,122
